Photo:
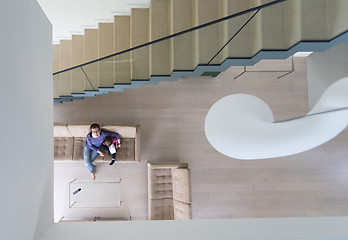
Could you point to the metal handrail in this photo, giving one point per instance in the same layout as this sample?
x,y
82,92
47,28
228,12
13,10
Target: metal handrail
x,y
177,34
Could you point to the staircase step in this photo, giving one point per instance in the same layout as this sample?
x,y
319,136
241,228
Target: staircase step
x,y
55,68
65,62
314,20
65,54
242,45
123,73
338,18
91,53
106,47
78,57
105,39
56,87
184,50
255,3
293,23
212,36
160,26
78,50
91,44
249,40
55,57
273,30
139,35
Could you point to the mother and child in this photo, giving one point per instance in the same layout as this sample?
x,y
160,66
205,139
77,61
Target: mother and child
x,y
99,141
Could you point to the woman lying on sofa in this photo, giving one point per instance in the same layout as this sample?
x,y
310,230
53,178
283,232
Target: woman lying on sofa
x,y
94,146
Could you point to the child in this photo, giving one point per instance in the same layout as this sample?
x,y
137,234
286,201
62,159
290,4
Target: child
x,y
112,143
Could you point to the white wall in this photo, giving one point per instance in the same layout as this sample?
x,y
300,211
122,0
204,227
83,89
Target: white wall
x,y
324,68
26,121
72,17
284,228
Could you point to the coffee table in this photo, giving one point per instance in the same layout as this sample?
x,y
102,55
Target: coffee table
x,y
94,194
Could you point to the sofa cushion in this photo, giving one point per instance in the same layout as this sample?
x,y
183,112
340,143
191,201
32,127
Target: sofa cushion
x,y
182,210
63,148
181,184
160,183
79,143
161,165
160,209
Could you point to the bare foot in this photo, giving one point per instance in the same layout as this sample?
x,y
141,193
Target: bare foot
x,y
93,173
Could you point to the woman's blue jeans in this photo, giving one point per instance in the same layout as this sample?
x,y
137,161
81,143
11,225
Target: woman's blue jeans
x,y
89,155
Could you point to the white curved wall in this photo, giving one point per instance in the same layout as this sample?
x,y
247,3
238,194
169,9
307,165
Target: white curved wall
x,y
325,68
241,126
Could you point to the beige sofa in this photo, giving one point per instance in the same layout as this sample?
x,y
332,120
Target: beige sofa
x,y
169,191
69,140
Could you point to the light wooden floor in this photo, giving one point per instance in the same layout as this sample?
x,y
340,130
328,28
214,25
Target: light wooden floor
x,y
172,114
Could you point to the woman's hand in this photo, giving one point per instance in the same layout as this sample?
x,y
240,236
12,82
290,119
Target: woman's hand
x,y
101,153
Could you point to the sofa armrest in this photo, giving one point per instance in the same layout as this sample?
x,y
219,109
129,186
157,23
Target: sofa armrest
x,y
61,130
137,144
167,165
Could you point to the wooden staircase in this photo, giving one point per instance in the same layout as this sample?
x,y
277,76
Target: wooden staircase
x,y
277,27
